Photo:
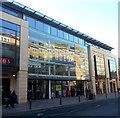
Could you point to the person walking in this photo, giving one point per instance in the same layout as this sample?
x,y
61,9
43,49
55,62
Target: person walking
x,y
87,93
14,97
9,100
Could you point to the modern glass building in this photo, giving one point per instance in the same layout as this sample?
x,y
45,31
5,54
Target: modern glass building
x,y
43,58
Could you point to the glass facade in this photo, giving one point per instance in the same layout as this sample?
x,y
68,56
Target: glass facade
x,y
112,67
99,65
10,11
9,44
54,52
54,56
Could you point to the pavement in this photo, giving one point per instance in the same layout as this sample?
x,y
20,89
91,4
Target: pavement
x,y
46,104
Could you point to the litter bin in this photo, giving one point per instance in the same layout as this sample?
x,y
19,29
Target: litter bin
x,y
91,97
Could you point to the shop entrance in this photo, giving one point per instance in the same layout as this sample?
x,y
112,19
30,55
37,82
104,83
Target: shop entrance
x,y
5,88
38,89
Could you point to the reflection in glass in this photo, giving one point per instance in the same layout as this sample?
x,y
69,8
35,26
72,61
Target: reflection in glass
x,y
112,67
99,64
63,57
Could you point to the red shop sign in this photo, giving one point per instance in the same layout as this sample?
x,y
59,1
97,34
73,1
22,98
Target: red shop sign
x,y
5,60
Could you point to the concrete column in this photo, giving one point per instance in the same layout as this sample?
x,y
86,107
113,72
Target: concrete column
x,y
106,85
92,71
22,82
107,74
49,89
109,90
116,85
85,87
101,86
22,75
13,84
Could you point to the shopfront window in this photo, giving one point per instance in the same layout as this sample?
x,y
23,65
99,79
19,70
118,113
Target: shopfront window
x,y
9,38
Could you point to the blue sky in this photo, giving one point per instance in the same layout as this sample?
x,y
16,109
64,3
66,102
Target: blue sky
x,y
96,18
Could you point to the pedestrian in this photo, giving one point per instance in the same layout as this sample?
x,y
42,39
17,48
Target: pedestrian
x,y
9,100
87,92
68,92
14,98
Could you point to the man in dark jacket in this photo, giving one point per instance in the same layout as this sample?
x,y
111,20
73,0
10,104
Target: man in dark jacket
x,y
10,100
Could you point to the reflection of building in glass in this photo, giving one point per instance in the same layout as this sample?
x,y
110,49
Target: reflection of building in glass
x,y
48,58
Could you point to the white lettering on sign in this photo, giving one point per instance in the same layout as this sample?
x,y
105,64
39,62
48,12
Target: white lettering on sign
x,y
5,39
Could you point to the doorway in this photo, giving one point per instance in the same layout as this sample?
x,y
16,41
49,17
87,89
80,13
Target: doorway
x,y
5,88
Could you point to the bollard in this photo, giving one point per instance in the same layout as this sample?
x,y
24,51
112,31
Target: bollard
x,y
106,95
39,115
115,93
60,100
79,98
30,104
94,96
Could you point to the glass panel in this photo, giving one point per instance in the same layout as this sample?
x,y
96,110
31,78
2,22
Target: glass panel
x,y
112,67
60,33
18,4
8,32
46,28
4,9
29,9
61,70
12,13
65,35
38,13
76,39
31,22
38,68
10,46
48,18
56,22
9,25
54,31
70,37
39,25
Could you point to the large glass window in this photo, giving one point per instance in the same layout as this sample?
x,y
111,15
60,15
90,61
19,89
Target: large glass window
x,y
61,70
31,22
46,28
9,25
70,37
99,65
9,11
39,25
112,67
54,31
60,33
9,35
76,39
65,35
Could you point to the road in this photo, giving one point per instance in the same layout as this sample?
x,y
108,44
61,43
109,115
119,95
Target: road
x,y
108,107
